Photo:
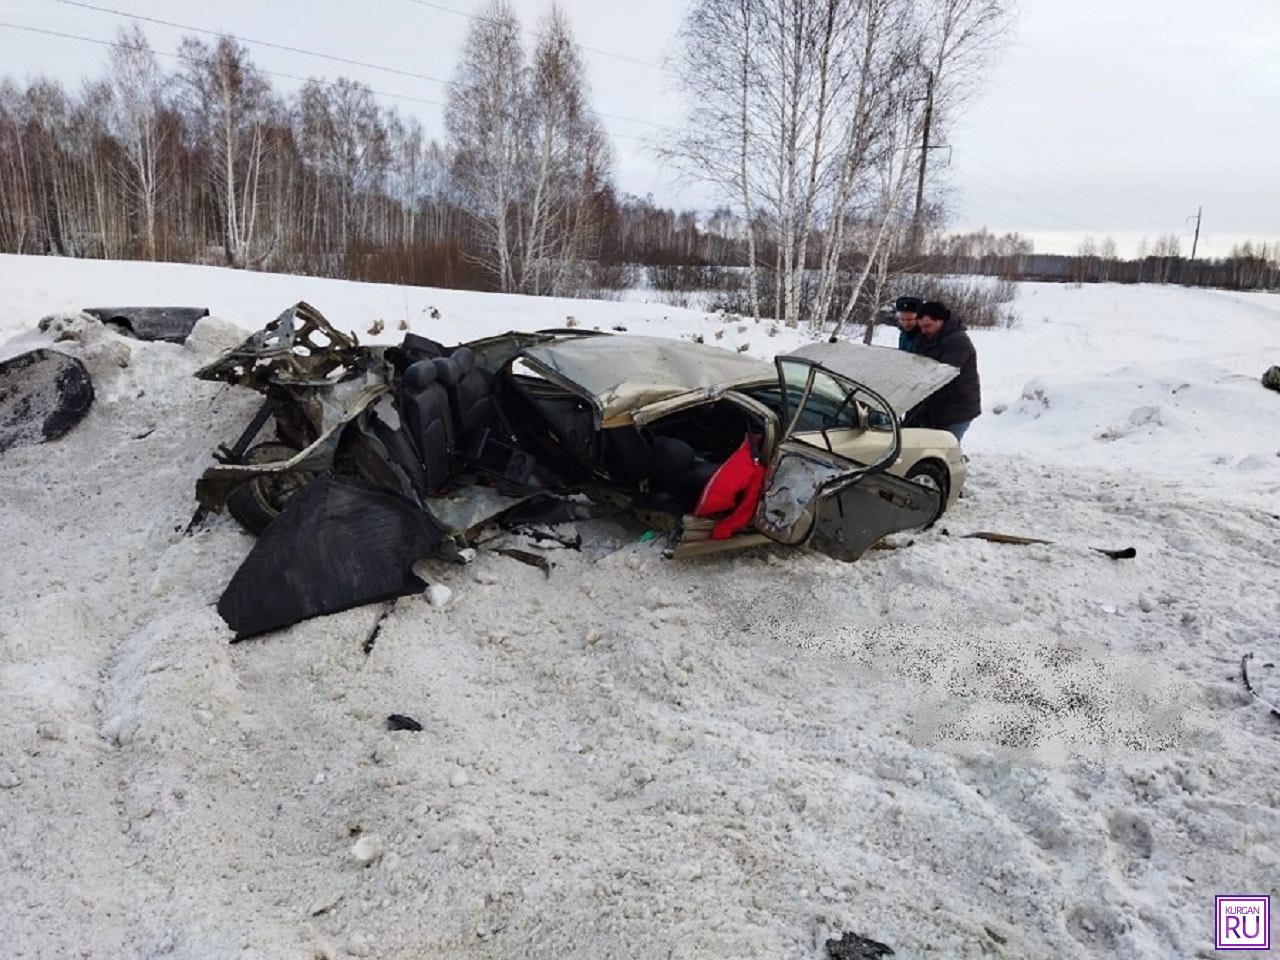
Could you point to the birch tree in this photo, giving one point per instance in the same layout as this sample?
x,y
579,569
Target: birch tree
x,y
793,104
227,101
487,119
137,85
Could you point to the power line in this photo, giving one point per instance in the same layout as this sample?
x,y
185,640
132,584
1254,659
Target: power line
x,y
309,53
191,59
1023,202
261,43
482,19
964,154
269,73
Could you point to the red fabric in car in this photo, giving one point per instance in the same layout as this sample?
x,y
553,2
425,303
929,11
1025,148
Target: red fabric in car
x,y
735,487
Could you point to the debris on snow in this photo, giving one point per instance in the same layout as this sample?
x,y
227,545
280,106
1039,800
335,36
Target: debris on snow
x,y
368,849
398,721
851,946
1244,676
438,595
43,394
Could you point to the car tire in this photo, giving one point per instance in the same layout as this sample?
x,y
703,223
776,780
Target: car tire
x,y
250,508
932,474
256,502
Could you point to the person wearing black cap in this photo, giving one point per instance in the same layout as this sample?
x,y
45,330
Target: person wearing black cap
x,y
955,406
908,308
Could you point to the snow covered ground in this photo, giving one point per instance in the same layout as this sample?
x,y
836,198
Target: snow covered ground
x,y
958,748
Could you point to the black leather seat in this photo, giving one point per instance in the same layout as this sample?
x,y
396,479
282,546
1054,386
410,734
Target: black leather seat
x,y
680,472
477,431
424,407
470,390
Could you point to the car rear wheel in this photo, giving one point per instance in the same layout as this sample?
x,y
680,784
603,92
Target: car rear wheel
x,y
932,474
258,501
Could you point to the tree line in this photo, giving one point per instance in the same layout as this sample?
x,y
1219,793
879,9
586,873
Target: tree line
x,y
806,121
1250,265
209,163
807,115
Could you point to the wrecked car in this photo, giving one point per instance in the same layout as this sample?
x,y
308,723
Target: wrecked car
x,y
379,456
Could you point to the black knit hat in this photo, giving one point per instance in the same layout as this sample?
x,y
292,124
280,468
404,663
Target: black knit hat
x,y
932,308
909,304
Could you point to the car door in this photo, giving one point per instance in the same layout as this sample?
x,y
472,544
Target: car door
x,y
816,496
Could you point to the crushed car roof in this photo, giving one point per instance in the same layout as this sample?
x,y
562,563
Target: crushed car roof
x,y
623,374
902,379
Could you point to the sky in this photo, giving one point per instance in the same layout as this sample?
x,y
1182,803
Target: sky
x,y
1097,118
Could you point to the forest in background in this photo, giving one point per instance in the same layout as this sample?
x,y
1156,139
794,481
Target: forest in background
x,y
807,124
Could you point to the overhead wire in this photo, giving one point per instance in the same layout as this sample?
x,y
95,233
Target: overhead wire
x,y
190,59
303,51
414,75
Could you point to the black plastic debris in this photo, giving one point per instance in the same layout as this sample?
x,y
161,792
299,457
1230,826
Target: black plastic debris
x,y
398,721
43,394
1244,675
338,544
527,557
1128,553
170,324
850,946
551,511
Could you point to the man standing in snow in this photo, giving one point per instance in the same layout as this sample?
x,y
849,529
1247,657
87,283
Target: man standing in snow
x,y
908,330
942,337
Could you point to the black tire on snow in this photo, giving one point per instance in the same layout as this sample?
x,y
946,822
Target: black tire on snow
x,y
250,508
256,502
931,473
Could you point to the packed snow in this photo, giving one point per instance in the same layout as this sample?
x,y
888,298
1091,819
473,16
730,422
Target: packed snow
x,y
956,747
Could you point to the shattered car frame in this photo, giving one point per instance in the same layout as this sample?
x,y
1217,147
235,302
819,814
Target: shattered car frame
x,y
460,436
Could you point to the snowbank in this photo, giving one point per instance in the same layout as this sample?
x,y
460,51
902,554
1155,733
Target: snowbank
x,y
958,748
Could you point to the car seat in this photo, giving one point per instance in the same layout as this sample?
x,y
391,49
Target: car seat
x,y
424,406
470,393
680,472
476,428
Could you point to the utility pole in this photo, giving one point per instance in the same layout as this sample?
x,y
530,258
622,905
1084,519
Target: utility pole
x,y
916,226
1196,241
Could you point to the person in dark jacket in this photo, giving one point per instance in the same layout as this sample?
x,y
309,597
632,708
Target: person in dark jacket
x,y
943,338
908,308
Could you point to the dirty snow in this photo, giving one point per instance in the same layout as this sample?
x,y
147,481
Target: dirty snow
x,y
958,748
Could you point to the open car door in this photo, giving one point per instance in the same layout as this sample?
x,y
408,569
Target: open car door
x,y
817,497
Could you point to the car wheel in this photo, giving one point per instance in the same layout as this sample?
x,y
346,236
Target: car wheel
x,y
258,501
931,474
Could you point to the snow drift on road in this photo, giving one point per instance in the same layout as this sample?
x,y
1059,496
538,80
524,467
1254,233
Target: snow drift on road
x,y
959,748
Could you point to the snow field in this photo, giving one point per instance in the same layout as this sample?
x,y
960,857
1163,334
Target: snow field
x,y
959,748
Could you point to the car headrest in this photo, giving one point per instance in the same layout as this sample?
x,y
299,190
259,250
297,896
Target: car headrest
x,y
419,375
447,370
465,358
672,455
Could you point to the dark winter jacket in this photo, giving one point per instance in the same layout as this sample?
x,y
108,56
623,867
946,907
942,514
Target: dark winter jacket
x,y
907,340
961,399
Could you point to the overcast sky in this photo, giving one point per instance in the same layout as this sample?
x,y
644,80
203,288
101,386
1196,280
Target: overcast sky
x,y
1102,117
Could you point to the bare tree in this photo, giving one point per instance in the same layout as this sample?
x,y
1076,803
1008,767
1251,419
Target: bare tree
x,y
486,117
345,139
227,102
813,96
568,158
137,84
